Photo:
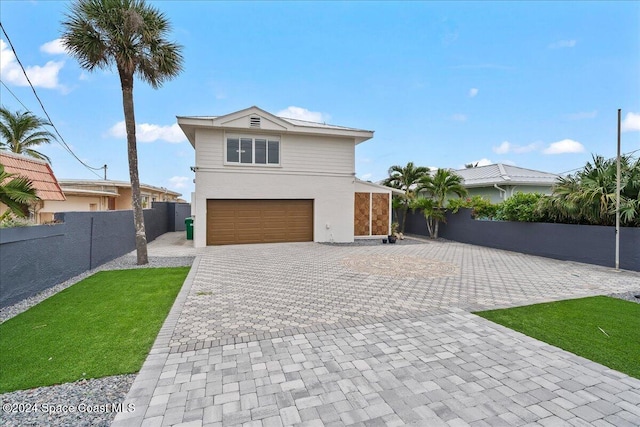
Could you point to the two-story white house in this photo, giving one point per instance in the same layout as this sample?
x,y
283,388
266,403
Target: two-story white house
x,y
261,178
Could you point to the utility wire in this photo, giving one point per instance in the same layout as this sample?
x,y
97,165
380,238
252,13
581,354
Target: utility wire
x,y
62,141
577,169
14,95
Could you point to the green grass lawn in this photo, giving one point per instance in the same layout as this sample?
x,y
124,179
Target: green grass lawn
x,y
577,326
104,325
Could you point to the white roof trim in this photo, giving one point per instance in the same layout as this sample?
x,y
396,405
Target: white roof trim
x,y
188,124
378,186
111,183
77,191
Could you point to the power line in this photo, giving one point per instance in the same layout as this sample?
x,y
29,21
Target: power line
x,y
14,95
582,167
62,141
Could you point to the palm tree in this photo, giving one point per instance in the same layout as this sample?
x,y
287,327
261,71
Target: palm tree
x,y
132,36
438,186
16,193
405,178
589,195
432,214
21,131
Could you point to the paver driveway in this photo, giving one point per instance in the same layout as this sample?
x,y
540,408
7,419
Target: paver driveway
x,y
311,334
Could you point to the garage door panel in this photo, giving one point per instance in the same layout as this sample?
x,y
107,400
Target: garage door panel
x,y
259,221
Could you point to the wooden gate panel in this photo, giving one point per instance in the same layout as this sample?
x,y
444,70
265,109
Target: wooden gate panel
x,y
362,214
380,214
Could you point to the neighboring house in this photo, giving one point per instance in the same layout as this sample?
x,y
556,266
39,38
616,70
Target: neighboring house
x,y
104,195
42,178
498,182
263,178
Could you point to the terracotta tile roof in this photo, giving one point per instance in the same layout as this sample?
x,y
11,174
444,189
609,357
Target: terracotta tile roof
x,y
37,171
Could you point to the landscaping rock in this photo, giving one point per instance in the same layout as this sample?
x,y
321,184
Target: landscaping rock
x,y
633,296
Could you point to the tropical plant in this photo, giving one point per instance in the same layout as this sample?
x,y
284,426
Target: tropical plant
x,y
432,213
397,205
394,228
441,184
130,35
521,207
405,178
481,208
438,187
16,193
20,132
589,195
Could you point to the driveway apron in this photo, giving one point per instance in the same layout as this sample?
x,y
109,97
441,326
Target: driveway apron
x,y
314,334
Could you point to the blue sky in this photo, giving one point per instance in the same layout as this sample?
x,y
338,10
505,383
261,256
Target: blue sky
x,y
442,84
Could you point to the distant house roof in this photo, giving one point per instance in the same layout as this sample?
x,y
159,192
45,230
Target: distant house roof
x,y
482,176
73,185
37,171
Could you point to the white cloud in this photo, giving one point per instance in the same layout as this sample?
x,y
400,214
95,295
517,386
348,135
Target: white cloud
x,y
54,47
366,176
473,92
300,113
564,146
45,76
146,132
561,44
631,122
458,117
502,148
179,182
507,147
582,115
482,162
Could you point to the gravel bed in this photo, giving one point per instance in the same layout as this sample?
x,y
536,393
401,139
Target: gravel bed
x,y
82,403
83,397
629,296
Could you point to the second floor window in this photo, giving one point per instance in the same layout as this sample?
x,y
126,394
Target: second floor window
x,y
253,150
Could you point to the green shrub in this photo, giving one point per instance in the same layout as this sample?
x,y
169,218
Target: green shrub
x,y
481,208
12,221
520,207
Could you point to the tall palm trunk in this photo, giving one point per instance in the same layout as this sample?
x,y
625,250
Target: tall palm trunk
x,y
126,80
405,211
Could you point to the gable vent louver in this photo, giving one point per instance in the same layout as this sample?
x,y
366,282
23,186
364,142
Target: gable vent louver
x,y
254,122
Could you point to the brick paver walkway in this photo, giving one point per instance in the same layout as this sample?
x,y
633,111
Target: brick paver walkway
x,y
310,334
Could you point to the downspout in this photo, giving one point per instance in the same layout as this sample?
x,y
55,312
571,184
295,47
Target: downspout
x,y
502,191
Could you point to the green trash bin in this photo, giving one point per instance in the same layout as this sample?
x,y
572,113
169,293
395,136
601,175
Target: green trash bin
x,y
188,222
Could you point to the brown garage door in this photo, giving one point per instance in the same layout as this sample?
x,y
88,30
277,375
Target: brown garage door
x,y
259,221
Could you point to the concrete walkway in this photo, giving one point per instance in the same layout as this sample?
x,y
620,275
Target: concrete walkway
x,y
312,334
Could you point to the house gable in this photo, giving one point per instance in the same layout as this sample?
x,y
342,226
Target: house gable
x,y
256,119
252,118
